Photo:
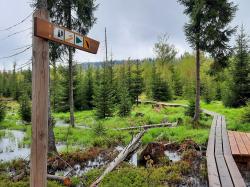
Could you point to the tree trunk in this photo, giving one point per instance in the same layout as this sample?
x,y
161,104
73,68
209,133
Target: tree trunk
x,y
54,85
197,95
71,96
51,136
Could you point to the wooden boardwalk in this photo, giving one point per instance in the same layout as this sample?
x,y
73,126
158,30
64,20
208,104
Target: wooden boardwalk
x,y
239,143
221,166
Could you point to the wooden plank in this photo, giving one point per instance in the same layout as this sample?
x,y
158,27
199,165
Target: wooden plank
x,y
240,143
246,141
248,135
213,175
234,171
233,143
40,98
224,174
218,138
211,140
225,140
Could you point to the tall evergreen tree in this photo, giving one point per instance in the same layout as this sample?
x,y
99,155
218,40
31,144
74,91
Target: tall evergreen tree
x,y
75,15
124,99
104,95
208,31
176,81
160,89
239,88
137,82
84,89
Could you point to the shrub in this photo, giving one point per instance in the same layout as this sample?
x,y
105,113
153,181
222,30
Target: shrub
x,y
190,109
245,117
2,111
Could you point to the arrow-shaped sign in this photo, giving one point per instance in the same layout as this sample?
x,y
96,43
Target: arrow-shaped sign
x,y
47,30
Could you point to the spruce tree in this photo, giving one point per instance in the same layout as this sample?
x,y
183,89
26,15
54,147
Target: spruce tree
x,y
176,81
124,100
137,82
160,89
25,108
76,15
208,31
104,95
239,88
89,88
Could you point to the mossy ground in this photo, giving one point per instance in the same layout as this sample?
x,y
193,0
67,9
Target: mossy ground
x,y
128,175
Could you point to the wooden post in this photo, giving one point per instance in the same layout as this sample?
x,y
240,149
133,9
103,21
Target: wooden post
x,y
40,90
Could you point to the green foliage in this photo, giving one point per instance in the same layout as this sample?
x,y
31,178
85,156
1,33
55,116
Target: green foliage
x,y
25,108
84,89
239,81
190,109
104,97
245,117
125,104
202,32
177,82
164,51
160,89
124,100
99,129
2,111
137,82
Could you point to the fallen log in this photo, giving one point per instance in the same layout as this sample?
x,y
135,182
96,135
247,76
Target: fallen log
x,y
148,126
122,155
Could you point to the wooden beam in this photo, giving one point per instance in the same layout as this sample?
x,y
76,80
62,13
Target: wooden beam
x,y
40,83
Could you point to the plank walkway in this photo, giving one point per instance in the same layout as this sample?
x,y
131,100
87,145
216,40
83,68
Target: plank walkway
x,y
221,166
239,143
222,169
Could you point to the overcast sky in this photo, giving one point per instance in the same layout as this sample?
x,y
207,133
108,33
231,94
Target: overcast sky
x,y
133,27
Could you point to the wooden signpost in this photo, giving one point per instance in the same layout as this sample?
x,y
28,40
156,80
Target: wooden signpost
x,y
44,31
47,30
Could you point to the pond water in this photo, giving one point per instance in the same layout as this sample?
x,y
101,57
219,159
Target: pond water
x,y
173,155
62,123
11,146
79,170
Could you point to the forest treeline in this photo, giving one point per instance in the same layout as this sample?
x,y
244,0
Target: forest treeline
x,y
113,88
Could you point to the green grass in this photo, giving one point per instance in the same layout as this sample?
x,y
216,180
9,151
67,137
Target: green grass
x,y
232,115
87,137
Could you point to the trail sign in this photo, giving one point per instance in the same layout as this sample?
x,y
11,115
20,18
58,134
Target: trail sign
x,y
50,31
79,40
69,37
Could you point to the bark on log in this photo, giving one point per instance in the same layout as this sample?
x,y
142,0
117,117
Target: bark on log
x,y
122,155
148,126
19,177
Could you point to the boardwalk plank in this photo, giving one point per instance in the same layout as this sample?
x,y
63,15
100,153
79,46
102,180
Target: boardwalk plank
x,y
225,177
240,143
218,138
226,145
246,141
234,171
233,144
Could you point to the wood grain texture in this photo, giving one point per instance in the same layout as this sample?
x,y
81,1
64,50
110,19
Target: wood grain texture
x,y
40,83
